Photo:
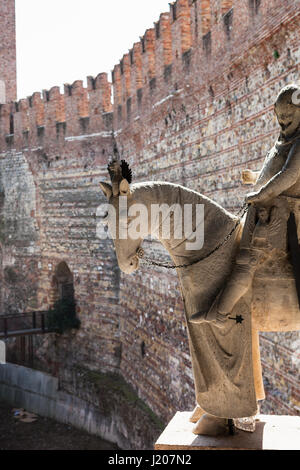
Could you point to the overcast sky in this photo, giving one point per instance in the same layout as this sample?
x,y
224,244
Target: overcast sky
x,y
59,41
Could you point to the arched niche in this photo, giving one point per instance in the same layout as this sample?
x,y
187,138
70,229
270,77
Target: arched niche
x,y
62,283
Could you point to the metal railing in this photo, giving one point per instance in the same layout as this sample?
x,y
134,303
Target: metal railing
x,y
20,324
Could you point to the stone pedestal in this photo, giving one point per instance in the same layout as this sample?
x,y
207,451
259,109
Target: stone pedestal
x,y
272,433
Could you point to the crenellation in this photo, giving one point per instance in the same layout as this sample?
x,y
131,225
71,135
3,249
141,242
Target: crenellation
x,y
194,22
104,86
99,101
145,74
52,114
38,104
205,16
226,5
80,96
117,87
165,28
184,18
180,54
150,52
126,77
23,112
137,67
163,60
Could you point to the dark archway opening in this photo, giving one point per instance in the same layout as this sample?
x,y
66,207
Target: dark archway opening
x,y
62,315
62,283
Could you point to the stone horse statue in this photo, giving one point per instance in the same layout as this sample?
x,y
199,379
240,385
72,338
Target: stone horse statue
x,y
225,361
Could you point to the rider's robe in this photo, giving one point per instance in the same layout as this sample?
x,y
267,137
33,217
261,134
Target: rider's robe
x,y
226,362
275,300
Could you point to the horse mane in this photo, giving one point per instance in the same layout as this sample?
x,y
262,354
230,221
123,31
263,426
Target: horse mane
x,y
184,194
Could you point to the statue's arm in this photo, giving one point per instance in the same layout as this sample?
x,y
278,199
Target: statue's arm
x,y
283,180
259,178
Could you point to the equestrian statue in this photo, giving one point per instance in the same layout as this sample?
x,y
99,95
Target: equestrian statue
x,y
244,277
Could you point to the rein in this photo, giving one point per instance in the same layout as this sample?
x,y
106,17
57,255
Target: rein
x,y
141,254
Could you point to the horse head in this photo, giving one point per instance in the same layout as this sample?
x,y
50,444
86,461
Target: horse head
x,y
120,199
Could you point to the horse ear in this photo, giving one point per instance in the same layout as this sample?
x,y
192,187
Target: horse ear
x,y
107,189
124,188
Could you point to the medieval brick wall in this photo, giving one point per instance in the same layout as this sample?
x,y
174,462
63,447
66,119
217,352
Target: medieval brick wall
x,y
54,150
8,84
192,105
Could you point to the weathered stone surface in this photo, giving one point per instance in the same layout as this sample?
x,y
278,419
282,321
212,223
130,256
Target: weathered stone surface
x,y
272,433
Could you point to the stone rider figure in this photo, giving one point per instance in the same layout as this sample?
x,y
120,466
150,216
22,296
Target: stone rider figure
x,y
280,175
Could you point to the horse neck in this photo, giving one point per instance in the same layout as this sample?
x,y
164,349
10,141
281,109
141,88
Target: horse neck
x,y
217,221
148,194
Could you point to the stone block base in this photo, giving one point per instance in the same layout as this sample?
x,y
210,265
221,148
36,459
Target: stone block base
x,y
272,433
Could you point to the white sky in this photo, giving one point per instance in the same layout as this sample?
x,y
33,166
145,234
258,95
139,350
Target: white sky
x,y
59,41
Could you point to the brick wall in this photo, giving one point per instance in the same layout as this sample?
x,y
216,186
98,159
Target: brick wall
x,y
8,85
54,152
